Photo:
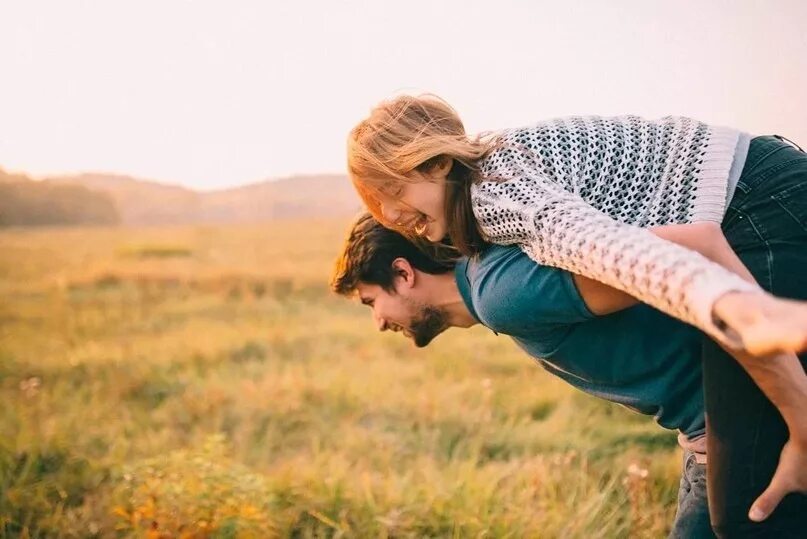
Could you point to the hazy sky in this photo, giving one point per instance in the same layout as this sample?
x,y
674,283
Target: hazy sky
x,y
213,94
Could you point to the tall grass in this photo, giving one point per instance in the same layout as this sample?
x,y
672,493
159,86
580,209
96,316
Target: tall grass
x,y
204,383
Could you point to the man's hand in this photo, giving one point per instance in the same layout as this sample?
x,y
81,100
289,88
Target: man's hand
x,y
790,476
782,379
764,323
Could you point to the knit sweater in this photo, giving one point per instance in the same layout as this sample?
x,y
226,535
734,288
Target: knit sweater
x,y
578,193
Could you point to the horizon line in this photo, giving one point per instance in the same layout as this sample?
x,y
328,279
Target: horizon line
x,y
44,176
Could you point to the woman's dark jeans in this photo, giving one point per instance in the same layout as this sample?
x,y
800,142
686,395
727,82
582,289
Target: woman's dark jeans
x,y
766,225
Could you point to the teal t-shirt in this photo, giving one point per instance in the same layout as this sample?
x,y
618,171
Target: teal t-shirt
x,y
638,357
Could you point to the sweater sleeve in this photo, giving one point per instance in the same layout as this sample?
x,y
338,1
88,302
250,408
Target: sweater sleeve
x,y
558,228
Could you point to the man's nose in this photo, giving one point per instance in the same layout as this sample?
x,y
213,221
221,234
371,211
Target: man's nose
x,y
380,323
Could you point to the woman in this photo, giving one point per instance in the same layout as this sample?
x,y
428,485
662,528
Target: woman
x,y
582,193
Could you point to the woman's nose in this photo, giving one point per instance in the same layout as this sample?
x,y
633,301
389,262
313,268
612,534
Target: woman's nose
x,y
390,212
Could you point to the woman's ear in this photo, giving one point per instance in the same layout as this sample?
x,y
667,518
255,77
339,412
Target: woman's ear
x,y
443,166
435,168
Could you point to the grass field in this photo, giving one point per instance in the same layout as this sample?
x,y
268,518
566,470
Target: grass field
x,y
203,382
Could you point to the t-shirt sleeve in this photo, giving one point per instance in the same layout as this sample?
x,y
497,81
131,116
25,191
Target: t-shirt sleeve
x,y
519,296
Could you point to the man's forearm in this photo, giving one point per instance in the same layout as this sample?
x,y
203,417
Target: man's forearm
x,y
781,378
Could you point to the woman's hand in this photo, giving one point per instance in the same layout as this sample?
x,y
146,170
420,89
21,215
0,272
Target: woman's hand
x,y
763,323
790,476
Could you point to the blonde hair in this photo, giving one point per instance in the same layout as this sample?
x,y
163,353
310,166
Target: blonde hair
x,y
411,133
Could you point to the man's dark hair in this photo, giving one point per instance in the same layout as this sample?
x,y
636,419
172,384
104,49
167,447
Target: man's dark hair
x,y
368,253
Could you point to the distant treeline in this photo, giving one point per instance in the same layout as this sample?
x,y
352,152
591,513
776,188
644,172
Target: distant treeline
x,y
106,198
25,202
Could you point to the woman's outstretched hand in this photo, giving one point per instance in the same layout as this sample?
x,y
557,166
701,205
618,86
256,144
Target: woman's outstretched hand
x,y
790,476
764,324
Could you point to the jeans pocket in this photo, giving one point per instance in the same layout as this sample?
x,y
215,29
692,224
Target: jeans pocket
x,y
689,461
794,203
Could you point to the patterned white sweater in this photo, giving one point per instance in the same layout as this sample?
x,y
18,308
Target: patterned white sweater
x,y
578,193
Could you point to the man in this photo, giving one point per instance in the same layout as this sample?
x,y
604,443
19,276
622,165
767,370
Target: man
x,y
635,356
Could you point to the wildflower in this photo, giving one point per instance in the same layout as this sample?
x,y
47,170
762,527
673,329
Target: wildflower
x,y
637,471
30,386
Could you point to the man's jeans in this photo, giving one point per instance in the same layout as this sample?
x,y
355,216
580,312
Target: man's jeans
x,y
692,517
766,225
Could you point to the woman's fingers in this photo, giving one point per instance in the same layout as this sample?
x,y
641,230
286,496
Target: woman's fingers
x,y
765,324
782,328
771,337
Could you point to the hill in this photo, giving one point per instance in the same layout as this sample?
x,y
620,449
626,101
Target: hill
x,y
25,202
142,202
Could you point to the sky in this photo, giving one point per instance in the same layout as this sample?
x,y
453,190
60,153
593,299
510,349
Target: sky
x,y
211,95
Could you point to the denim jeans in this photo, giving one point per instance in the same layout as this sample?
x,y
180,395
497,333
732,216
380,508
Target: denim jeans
x,y
692,517
766,225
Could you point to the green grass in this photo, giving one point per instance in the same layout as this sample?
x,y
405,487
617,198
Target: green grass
x,y
223,392
155,251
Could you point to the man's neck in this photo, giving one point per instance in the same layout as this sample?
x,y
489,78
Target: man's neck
x,y
445,295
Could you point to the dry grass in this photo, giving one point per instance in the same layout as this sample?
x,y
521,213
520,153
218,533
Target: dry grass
x,y
202,382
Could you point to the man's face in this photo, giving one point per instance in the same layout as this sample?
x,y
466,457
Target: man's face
x,y
402,313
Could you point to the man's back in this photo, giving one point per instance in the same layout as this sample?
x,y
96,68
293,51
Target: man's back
x,y
638,357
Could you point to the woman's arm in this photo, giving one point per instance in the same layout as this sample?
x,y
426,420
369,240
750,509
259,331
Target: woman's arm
x,y
556,227
765,322
705,238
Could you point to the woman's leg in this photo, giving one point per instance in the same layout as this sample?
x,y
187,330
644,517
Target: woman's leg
x,y
766,226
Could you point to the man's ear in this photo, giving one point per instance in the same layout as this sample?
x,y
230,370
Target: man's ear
x,y
404,273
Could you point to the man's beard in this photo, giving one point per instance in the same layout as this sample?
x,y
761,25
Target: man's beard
x,y
428,325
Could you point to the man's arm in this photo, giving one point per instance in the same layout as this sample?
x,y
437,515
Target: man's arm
x,y
781,377
600,298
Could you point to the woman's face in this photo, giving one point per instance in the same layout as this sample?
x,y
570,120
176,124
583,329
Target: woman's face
x,y
418,206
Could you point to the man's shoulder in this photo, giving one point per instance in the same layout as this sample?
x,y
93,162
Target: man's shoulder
x,y
511,293
494,269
